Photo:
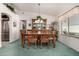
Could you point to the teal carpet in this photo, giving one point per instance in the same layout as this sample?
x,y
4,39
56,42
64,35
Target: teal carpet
x,y
15,49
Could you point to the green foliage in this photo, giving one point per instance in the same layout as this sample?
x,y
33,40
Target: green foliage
x,y
39,17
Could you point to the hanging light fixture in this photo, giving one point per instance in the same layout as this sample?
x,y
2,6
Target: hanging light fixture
x,y
39,17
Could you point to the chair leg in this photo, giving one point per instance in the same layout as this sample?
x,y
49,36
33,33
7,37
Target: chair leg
x,y
48,45
53,44
23,43
36,44
29,45
41,44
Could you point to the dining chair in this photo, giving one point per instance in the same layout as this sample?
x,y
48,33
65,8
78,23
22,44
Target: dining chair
x,y
54,38
22,38
45,37
32,38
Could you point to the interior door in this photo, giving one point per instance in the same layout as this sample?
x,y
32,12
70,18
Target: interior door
x,y
5,30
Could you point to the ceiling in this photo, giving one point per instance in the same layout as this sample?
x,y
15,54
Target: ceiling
x,y
53,9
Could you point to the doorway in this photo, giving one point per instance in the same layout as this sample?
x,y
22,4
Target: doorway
x,y
23,25
5,30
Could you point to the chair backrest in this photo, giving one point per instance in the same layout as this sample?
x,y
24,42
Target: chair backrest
x,y
45,31
31,36
34,31
45,35
22,34
29,31
54,33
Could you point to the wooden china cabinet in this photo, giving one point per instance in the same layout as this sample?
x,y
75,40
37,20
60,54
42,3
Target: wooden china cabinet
x,y
39,24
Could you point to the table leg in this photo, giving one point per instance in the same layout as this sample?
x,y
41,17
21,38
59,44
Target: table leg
x,y
53,41
23,43
28,43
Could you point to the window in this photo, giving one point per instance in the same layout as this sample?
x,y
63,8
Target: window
x,y
70,26
70,22
74,25
64,24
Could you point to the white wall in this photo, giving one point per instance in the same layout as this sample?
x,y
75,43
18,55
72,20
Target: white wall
x,y
28,16
13,18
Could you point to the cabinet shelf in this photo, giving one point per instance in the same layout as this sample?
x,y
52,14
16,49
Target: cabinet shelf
x,y
38,25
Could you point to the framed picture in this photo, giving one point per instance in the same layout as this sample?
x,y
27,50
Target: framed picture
x,y
14,24
29,24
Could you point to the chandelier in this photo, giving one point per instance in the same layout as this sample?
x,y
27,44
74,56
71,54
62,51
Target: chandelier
x,y
39,18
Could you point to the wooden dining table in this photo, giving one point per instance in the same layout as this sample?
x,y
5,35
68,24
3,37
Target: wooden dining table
x,y
39,35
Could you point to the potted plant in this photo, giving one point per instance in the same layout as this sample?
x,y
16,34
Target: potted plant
x,y
54,26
